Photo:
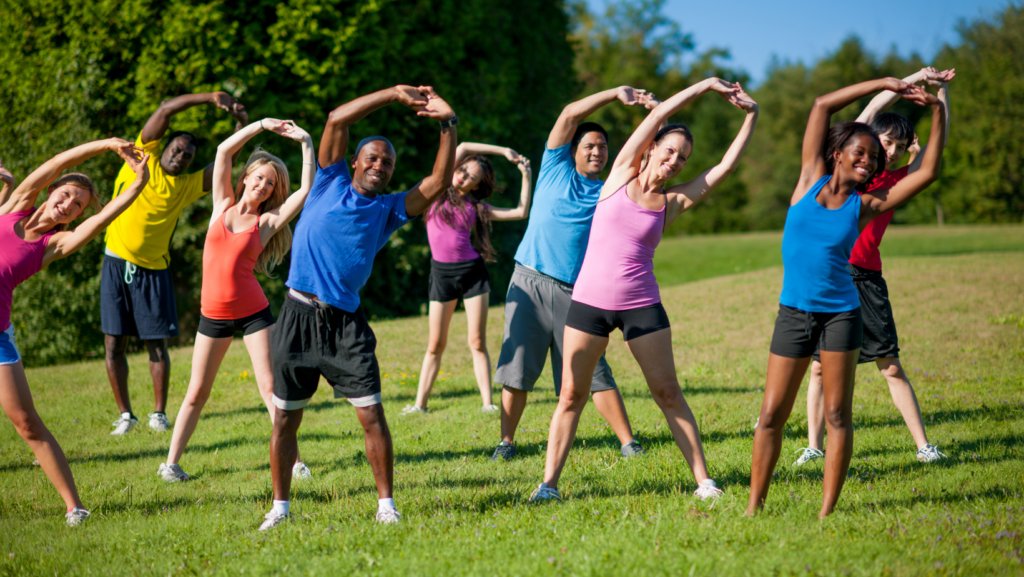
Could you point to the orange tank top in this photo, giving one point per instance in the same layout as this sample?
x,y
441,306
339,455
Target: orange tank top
x,y
230,288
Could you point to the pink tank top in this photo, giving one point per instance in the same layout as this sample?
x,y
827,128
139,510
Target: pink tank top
x,y
18,261
452,244
230,289
618,269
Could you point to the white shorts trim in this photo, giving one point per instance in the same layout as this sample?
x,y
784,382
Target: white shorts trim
x,y
367,401
289,405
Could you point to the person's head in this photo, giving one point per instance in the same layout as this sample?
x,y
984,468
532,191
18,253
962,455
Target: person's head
x,y
895,132
372,164
265,182
590,149
853,152
669,151
475,177
179,152
68,198
473,180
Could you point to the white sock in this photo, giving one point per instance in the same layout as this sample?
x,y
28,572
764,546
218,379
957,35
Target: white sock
x,y
126,416
385,505
280,507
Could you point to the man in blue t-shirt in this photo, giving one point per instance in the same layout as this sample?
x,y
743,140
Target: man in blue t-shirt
x,y
321,329
547,263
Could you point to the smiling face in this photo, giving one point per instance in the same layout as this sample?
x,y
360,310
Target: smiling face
x,y
467,177
894,149
177,156
669,155
858,159
373,167
66,203
260,184
591,154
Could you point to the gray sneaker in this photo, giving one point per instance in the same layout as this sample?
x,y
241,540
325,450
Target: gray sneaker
x,y
543,494
632,449
929,454
272,520
807,454
158,422
505,452
413,410
76,517
301,471
172,473
123,425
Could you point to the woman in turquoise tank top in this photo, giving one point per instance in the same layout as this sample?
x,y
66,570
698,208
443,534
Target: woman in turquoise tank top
x,y
819,306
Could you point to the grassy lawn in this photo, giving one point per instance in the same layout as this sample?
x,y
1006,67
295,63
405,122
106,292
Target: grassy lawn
x,y
962,341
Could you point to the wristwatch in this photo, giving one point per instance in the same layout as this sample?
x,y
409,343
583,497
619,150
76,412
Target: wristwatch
x,y
450,122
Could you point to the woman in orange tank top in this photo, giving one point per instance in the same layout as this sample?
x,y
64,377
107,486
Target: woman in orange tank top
x,y
248,233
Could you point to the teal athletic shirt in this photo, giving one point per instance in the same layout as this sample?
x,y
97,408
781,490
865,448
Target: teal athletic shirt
x,y
338,235
563,209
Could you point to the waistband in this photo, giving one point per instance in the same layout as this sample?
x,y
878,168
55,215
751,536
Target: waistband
x,y
861,273
310,302
534,274
460,266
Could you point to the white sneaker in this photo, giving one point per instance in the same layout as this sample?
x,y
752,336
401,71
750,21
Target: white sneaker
x,y
76,517
273,519
123,425
158,422
413,410
757,422
301,471
490,409
172,473
544,493
807,454
929,454
707,489
388,516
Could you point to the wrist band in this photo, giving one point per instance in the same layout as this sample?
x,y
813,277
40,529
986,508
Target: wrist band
x,y
261,125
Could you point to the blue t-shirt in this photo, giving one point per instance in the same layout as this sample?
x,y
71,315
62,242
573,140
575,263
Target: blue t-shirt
x,y
816,245
337,236
563,209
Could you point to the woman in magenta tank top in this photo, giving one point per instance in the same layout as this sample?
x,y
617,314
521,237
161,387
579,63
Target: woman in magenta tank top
x,y
616,287
819,307
248,232
458,229
33,237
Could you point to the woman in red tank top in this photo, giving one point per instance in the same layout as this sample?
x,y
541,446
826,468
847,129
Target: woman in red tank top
x,y
248,233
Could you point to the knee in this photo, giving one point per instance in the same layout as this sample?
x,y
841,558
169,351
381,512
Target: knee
x,y
815,372
572,397
838,418
198,398
436,347
477,344
115,347
893,371
157,351
28,425
669,397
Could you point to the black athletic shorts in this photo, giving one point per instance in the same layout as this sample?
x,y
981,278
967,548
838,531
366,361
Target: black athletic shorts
x,y
220,328
136,301
880,339
315,340
633,322
799,333
450,281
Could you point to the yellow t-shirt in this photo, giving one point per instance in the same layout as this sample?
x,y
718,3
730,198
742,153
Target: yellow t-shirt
x,y
143,232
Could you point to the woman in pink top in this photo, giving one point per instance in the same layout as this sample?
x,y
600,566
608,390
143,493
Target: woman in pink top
x,y
32,238
616,287
458,229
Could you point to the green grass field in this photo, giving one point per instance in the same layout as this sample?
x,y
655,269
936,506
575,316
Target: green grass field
x,y
963,344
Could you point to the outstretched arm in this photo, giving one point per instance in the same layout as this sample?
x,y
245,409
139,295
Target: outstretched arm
x,y
918,159
470,148
160,120
335,136
65,243
519,212
8,183
279,217
427,190
227,153
886,98
574,113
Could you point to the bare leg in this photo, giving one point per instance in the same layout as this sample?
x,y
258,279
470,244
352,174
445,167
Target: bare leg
x,y
379,450
513,405
117,370
284,448
609,404
476,316
258,345
440,319
783,383
160,370
579,359
815,409
17,404
838,370
207,356
654,353
903,397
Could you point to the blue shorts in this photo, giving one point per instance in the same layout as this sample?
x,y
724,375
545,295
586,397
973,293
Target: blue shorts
x,y
137,302
8,352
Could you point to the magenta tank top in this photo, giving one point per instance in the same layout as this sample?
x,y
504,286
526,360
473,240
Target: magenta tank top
x,y
18,261
618,269
452,244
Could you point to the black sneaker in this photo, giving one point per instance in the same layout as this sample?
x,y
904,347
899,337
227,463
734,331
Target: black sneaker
x,y
633,449
505,452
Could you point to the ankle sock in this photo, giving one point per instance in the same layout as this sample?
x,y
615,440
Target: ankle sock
x,y
385,505
127,416
280,507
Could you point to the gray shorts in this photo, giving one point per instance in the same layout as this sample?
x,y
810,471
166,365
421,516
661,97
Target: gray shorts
x,y
535,312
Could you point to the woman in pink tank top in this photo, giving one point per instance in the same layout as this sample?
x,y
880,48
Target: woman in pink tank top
x,y
616,287
248,231
458,229
33,237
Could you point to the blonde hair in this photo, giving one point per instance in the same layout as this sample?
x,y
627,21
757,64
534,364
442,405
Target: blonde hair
x,y
80,180
281,242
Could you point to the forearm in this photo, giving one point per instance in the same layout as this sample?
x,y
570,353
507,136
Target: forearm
x,y
932,156
835,101
228,149
525,192
160,120
885,99
444,166
470,148
944,99
308,164
739,145
355,110
579,110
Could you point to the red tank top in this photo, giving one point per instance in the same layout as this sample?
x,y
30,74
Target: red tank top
x,y
865,253
230,288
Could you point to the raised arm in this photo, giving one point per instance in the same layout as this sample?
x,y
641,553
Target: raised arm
x,y
573,114
523,209
886,98
160,120
943,96
8,184
227,153
427,190
470,148
65,243
278,218
335,137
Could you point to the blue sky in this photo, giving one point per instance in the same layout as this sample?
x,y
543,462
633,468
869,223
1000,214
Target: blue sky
x,y
806,30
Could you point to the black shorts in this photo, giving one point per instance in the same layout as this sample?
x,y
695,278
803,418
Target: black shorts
x,y
799,333
450,281
311,341
633,322
880,339
220,328
136,301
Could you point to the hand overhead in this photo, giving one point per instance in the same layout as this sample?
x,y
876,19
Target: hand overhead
x,y
629,95
918,95
411,96
936,78
512,155
436,107
740,99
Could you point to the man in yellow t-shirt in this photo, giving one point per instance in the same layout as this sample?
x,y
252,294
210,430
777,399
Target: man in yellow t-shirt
x,y
136,291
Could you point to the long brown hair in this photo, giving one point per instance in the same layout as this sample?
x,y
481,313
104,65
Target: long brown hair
x,y
80,180
281,242
452,204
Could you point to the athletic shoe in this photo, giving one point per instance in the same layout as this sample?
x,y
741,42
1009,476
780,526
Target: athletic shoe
x,y
389,516
76,516
123,425
807,455
490,409
273,519
543,493
757,422
707,489
172,473
929,454
158,422
505,452
413,410
301,471
633,449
